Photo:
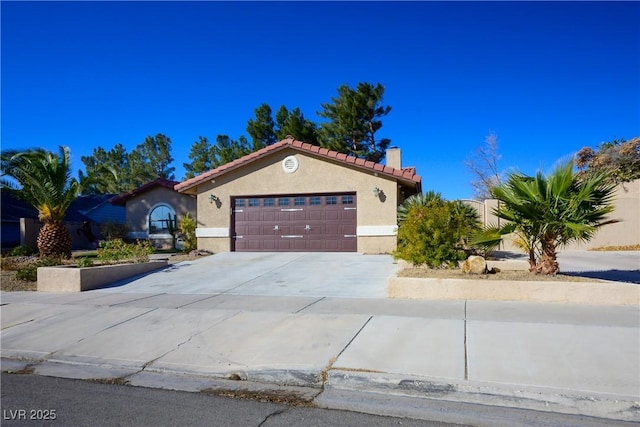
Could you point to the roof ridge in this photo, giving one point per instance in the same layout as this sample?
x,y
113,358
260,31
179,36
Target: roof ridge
x,y
303,146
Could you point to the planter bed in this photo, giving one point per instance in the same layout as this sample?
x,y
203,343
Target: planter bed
x,y
74,279
597,292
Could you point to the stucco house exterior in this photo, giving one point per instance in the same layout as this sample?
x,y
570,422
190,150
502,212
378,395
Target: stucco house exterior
x,y
148,208
294,196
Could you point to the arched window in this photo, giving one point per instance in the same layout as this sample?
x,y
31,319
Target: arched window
x,y
159,219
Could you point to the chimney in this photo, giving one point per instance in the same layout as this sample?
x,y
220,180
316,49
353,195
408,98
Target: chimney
x,y
394,158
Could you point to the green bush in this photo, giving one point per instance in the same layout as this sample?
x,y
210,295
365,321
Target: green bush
x,y
30,272
435,233
85,262
188,227
116,250
112,230
22,250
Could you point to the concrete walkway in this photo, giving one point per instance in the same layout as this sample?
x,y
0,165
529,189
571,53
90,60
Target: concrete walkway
x,y
558,358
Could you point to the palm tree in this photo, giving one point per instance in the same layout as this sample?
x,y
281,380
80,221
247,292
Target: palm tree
x,y
43,179
547,212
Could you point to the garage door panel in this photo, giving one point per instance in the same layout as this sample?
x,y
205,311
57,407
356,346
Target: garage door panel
x,y
295,223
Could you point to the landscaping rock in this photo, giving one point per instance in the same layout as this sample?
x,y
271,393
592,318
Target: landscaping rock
x,y
474,265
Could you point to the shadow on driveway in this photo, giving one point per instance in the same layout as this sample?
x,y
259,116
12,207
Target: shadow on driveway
x,y
630,276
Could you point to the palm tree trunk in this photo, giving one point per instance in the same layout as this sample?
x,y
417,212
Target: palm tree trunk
x,y
548,260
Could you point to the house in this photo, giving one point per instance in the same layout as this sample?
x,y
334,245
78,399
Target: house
x,y
150,208
294,196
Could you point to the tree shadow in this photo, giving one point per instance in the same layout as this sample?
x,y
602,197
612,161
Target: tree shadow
x,y
629,276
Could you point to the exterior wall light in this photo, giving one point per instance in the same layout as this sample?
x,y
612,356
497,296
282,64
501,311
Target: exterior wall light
x,y
376,192
213,198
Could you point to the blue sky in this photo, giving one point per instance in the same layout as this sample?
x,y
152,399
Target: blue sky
x,y
547,77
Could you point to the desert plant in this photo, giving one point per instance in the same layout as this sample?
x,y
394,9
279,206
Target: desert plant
x,y
116,250
188,227
435,231
43,179
29,273
22,250
85,262
547,212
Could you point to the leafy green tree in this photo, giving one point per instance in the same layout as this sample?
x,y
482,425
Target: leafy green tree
x,y
292,123
43,179
548,212
619,158
262,129
202,156
353,121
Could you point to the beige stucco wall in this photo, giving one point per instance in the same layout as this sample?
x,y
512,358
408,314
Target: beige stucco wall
x,y
623,233
376,217
139,207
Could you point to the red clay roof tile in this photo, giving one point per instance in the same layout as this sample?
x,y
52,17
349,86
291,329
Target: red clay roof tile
x,y
405,173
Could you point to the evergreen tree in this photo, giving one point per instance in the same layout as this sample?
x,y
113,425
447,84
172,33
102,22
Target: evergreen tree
x,y
262,129
294,124
202,157
227,150
354,118
107,172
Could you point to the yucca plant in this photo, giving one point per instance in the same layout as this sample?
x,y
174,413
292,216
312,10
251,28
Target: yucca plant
x,y
547,212
43,179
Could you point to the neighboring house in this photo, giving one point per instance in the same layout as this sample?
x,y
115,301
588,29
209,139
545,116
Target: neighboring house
x,y
12,210
149,207
293,196
20,225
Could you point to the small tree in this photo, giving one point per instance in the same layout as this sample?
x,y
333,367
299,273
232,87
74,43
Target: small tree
x,y
483,164
620,159
548,212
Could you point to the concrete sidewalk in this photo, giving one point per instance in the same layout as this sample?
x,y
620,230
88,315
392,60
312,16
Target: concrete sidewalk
x,y
556,358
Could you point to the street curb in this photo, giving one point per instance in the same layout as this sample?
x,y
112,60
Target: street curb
x,y
571,402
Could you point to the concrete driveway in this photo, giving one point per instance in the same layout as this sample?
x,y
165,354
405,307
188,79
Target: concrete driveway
x,y
271,274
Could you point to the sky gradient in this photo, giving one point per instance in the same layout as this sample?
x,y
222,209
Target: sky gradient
x,y
547,77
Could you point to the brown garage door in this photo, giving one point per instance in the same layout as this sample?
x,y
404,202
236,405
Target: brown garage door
x,y
314,223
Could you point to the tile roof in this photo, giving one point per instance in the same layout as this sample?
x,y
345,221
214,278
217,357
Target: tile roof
x,y
404,174
121,199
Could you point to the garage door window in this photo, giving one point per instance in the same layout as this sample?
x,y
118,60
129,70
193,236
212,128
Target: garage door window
x,y
239,203
315,201
331,200
269,202
347,200
299,201
254,203
283,202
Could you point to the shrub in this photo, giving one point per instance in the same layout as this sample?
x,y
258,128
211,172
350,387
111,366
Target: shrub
x,y
30,272
85,262
436,233
188,229
116,250
112,230
22,250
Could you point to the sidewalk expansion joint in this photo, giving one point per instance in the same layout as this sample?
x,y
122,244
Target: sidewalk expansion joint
x,y
324,374
466,344
310,304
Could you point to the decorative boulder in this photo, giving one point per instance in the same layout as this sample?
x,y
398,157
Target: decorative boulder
x,y
474,265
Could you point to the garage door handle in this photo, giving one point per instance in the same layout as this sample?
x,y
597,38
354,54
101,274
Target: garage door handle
x,y
276,228
307,228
